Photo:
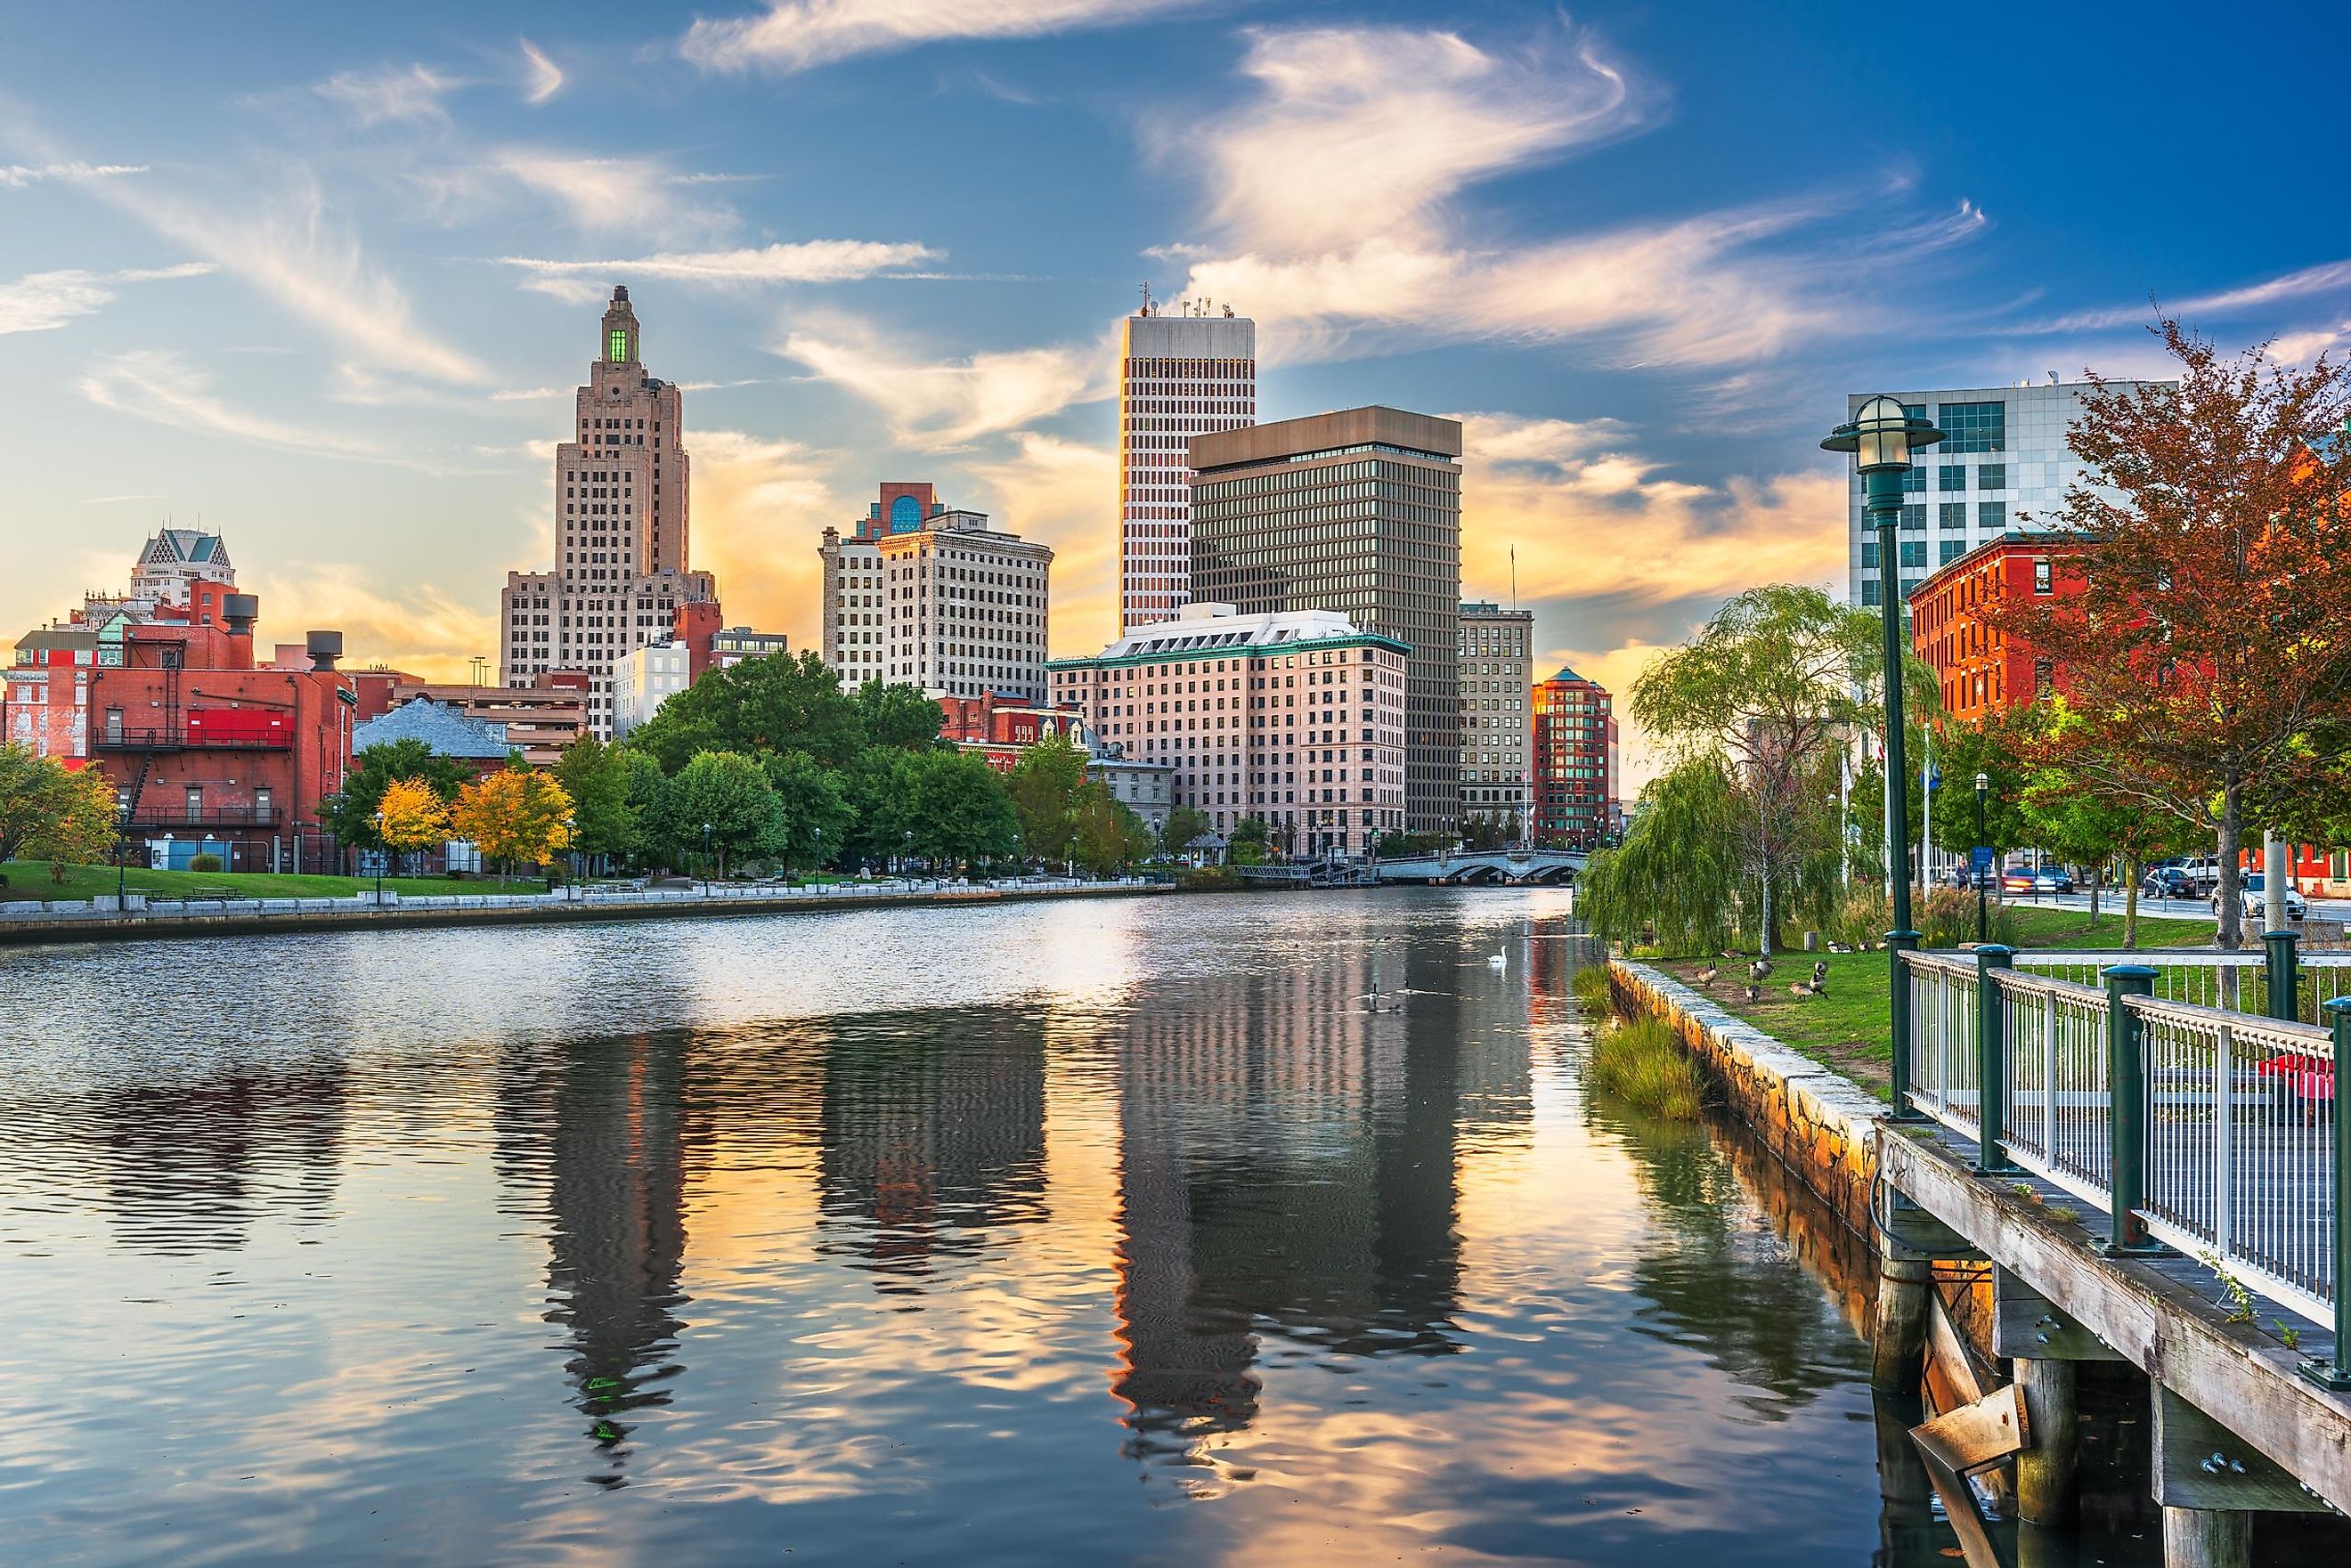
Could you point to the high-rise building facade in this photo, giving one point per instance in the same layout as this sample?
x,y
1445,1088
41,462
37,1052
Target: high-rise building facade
x,y
1178,376
2006,456
1575,761
1295,717
1357,512
1497,715
620,521
965,609
854,618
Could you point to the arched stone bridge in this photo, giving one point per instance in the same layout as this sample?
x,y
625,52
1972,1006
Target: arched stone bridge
x,y
1485,865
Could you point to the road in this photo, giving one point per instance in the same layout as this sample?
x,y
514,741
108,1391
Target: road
x,y
2170,908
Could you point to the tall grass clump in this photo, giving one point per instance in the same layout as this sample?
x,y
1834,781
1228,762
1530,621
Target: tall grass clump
x,y
1642,1065
1946,917
1590,988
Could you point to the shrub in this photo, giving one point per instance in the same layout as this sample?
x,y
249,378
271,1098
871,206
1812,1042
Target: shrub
x,y
1946,917
206,863
1644,1064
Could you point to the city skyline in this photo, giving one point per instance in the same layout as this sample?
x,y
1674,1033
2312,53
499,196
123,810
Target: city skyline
x,y
321,295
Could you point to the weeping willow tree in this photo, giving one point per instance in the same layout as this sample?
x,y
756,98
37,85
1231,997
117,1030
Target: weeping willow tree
x,y
1743,833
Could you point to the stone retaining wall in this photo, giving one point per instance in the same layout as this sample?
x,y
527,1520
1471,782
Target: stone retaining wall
x,y
1820,1123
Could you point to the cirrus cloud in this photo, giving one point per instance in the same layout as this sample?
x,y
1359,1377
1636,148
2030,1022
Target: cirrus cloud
x,y
797,34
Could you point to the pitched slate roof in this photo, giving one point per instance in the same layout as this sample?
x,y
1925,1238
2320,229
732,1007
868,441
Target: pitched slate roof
x,y
446,731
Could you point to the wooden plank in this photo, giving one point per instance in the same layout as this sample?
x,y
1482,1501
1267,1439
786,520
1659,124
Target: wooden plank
x,y
1960,1508
2028,1326
1979,1436
2200,1463
2194,1538
2163,1329
1948,1357
1911,1231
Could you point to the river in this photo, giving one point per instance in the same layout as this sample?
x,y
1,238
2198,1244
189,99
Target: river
x,y
1092,1232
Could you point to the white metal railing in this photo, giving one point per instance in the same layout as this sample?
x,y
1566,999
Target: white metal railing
x,y
1943,1038
2208,978
2056,1097
2239,1159
2230,1150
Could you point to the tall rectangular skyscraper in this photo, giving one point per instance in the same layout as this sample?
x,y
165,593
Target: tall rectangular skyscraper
x,y
1178,376
621,513
2007,454
1359,512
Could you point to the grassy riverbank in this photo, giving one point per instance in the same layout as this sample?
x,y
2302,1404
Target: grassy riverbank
x,y
31,880
1847,1029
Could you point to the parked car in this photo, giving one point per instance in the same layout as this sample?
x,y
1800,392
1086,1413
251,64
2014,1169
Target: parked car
x,y
2021,880
2052,879
2253,900
2165,881
2202,871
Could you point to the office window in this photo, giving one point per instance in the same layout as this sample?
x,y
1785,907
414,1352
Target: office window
x,y
2041,579
1913,552
1869,554
1974,426
1869,594
1992,516
1913,481
1953,515
1953,550
1951,477
1991,477
1914,519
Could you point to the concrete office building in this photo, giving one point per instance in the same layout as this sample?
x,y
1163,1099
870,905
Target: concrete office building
x,y
1295,717
1357,512
621,497
855,622
1497,737
2005,456
965,609
1575,761
1178,376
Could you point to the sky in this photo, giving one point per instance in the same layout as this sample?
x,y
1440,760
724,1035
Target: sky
x,y
321,278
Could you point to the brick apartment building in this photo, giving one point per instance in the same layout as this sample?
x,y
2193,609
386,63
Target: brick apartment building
x,y
1981,673
1575,761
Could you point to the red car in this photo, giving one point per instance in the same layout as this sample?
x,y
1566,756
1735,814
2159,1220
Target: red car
x,y
2016,882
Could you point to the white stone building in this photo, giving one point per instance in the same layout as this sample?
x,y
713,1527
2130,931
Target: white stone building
x,y
965,609
1178,376
1497,734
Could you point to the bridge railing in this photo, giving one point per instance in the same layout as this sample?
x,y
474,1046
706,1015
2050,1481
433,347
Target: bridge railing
x,y
2204,1129
2254,981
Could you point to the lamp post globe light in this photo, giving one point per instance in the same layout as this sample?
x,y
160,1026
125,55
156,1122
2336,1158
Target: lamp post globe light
x,y
706,867
1881,435
380,850
121,854
1983,782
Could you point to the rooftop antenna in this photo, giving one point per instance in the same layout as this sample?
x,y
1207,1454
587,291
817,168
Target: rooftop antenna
x,y
1514,578
1147,297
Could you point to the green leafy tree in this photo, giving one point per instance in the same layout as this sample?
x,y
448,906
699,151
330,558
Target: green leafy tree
x,y
1184,824
817,816
1249,842
723,800
899,716
1764,692
779,702
351,816
1996,748
646,788
1109,838
1044,788
957,807
53,813
596,776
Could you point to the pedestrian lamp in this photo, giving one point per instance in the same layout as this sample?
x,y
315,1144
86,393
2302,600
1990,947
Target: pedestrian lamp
x,y
568,822
1881,436
906,862
819,854
1983,782
380,850
705,850
121,853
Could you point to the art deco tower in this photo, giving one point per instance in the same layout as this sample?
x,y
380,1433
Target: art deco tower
x,y
621,522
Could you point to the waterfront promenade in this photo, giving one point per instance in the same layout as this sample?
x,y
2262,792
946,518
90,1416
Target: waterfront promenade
x,y
102,919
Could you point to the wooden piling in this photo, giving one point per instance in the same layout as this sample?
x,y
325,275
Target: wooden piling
x,y
2045,1490
2206,1538
1899,1338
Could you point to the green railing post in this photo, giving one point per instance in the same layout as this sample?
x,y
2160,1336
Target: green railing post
x,y
2285,975
1898,1010
1991,1061
2126,1109
2337,1373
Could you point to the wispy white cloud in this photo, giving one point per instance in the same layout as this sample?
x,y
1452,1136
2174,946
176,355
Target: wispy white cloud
x,y
940,404
812,261
16,176
42,301
377,97
165,389
1338,200
2305,283
795,34
613,195
545,77
110,500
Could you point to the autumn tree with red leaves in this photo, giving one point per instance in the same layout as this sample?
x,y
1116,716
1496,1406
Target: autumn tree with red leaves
x,y
2211,635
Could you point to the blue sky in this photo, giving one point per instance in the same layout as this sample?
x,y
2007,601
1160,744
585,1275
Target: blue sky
x,y
325,282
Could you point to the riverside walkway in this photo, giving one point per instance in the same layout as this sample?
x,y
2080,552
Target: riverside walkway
x,y
100,919
2154,1180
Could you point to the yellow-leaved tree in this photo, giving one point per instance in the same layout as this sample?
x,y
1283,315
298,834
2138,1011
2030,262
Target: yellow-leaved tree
x,y
414,816
514,815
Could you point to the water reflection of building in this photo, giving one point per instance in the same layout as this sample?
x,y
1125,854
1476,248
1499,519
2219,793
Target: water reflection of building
x,y
190,1166
934,1131
602,1127
1289,1165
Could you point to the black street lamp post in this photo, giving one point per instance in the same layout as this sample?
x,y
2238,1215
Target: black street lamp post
x,y
382,849
121,855
1881,437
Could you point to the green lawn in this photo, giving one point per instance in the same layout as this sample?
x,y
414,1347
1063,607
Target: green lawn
x,y
1847,1029
30,879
